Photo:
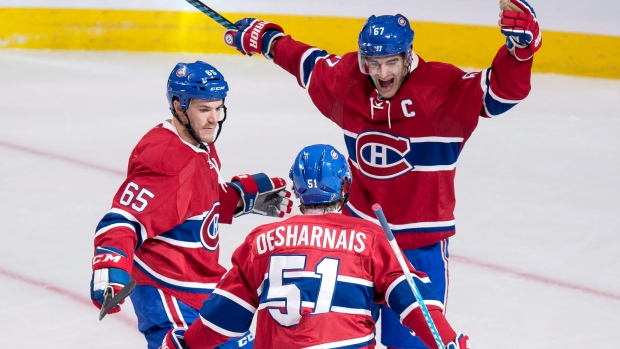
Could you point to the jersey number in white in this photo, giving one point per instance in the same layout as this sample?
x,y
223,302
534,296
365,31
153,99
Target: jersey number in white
x,y
129,193
326,270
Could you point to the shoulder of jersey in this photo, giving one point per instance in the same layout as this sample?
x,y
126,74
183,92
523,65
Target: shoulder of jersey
x,y
163,151
367,225
438,68
349,66
354,223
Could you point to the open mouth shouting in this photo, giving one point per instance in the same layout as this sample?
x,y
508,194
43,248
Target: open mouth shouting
x,y
386,85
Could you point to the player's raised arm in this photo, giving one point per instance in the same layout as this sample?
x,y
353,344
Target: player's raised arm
x,y
508,81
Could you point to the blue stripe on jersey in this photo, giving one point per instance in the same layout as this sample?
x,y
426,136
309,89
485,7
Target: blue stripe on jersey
x,y
425,230
495,107
111,218
346,294
107,249
194,232
262,182
305,285
349,142
188,231
159,280
430,153
402,296
420,229
433,153
355,296
239,319
493,104
307,64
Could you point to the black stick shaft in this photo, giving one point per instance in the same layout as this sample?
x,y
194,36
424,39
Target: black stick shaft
x,y
212,13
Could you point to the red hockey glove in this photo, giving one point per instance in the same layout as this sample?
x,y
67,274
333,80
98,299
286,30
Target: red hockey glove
x,y
262,195
460,342
110,273
521,29
175,339
253,36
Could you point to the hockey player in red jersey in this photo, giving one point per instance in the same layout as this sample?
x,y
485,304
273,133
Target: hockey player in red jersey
x,y
312,279
162,229
405,122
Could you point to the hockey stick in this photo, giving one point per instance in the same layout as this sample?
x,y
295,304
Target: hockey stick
x,y
110,302
211,13
401,260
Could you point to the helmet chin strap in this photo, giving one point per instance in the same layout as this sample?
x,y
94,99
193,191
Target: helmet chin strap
x,y
188,127
220,124
346,190
191,131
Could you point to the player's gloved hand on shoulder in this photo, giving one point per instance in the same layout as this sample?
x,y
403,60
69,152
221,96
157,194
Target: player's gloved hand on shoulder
x,y
460,342
175,339
262,195
110,273
521,29
253,36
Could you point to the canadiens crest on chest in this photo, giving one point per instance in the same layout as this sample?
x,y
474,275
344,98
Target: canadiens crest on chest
x,y
380,154
209,229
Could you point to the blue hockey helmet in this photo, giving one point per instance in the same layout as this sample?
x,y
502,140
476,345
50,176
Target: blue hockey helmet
x,y
385,36
319,174
198,80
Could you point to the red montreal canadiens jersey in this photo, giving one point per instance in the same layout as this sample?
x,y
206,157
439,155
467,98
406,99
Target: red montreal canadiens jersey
x,y
403,151
312,280
167,212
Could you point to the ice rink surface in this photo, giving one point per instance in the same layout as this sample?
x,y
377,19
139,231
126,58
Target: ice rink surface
x,y
535,262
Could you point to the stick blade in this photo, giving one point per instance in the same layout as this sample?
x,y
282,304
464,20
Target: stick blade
x,y
110,302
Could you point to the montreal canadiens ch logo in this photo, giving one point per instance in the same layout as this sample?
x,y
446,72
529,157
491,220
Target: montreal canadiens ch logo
x,y
229,38
381,155
209,231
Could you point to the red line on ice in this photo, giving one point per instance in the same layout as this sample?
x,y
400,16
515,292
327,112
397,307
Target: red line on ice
x,y
534,277
61,158
79,298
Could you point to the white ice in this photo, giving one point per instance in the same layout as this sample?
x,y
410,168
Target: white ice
x,y
535,262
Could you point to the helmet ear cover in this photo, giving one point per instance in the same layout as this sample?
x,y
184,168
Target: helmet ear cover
x,y
320,175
